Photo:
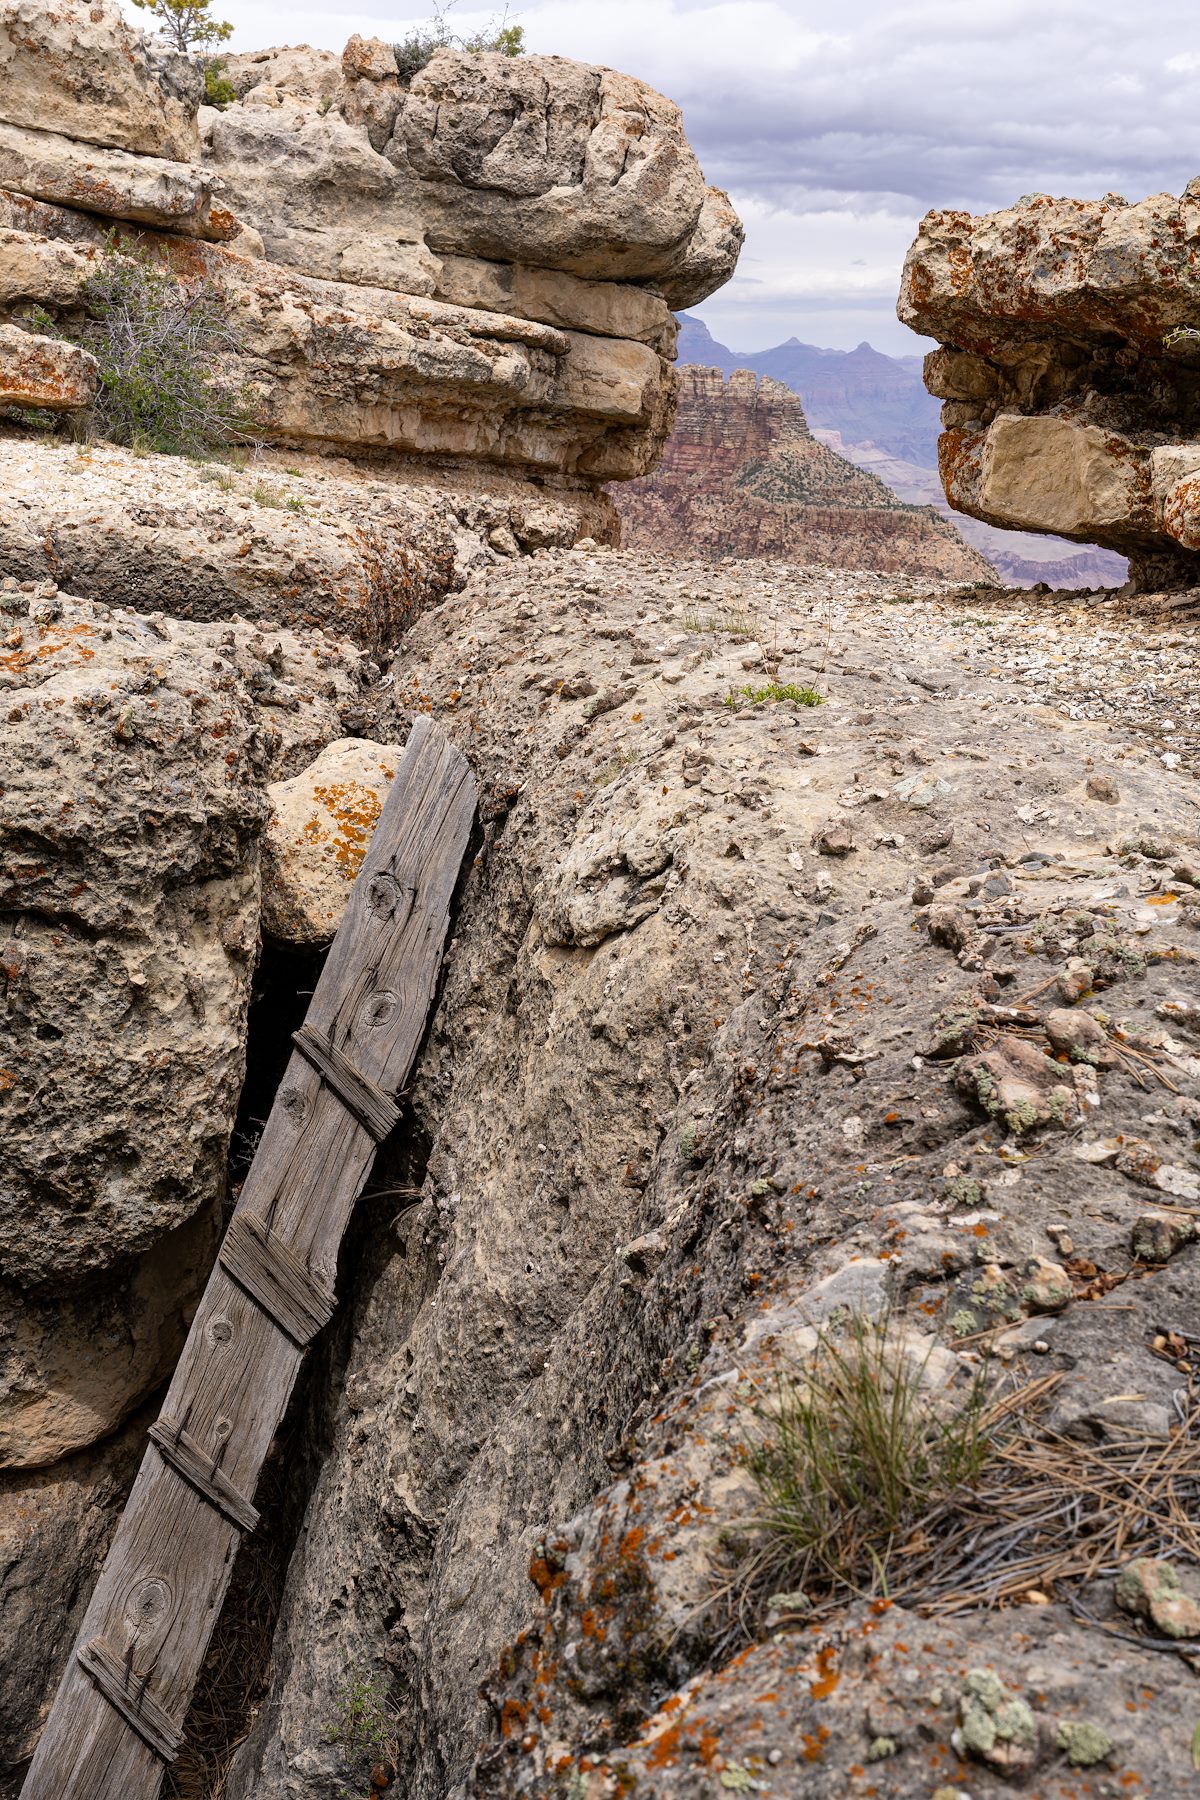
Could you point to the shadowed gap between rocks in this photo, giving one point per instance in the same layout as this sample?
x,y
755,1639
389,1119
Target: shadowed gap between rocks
x,y
238,1667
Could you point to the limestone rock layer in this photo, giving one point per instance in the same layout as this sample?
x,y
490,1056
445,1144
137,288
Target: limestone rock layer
x,y
475,262
1070,369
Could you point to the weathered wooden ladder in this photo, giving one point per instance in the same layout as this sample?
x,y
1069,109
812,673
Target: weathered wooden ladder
x,y
118,1717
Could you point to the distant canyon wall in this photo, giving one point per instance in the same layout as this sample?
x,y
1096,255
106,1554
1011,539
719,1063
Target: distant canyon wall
x,y
742,475
874,410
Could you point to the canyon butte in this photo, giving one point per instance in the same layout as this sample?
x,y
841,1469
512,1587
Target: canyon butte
x,y
822,969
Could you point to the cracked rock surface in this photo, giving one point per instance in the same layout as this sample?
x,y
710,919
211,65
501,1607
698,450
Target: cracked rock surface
x,y
692,1090
132,801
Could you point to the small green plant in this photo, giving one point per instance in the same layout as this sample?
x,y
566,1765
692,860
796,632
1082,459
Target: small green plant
x,y
157,341
365,1727
774,690
1182,334
852,1454
610,770
266,495
217,90
218,478
187,24
734,620
295,503
497,36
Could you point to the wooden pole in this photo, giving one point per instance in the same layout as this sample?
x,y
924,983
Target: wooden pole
x,y
118,1717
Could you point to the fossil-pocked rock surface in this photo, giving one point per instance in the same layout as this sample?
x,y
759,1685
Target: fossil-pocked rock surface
x,y
1068,367
133,797
293,540
81,69
685,1100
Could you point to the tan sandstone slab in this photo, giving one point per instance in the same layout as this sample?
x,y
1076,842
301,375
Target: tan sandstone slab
x,y
149,190
44,372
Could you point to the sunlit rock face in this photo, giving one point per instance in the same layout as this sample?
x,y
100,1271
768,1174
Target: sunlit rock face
x,y
1070,370
477,261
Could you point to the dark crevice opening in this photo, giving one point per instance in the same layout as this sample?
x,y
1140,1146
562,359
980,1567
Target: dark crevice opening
x,y
283,986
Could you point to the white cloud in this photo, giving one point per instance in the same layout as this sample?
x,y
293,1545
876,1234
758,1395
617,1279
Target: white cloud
x,y
836,128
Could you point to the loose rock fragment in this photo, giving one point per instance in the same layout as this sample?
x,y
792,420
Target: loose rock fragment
x,y
1150,1588
1079,1036
1016,1084
320,828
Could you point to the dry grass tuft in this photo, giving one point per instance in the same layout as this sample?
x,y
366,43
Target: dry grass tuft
x,y
853,1454
871,1489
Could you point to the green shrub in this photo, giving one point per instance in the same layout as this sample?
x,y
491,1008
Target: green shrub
x,y
852,1455
186,23
419,46
157,342
217,90
365,1727
774,690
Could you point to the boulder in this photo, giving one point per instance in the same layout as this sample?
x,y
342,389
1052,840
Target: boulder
x,y
544,161
33,267
137,751
533,165
302,71
44,372
1067,366
1048,472
81,69
324,201
710,254
320,827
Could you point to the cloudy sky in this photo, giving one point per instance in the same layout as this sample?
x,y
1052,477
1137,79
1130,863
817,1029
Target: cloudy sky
x,y
835,125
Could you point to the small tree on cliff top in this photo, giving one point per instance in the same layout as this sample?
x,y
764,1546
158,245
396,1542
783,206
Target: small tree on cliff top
x,y
497,35
187,24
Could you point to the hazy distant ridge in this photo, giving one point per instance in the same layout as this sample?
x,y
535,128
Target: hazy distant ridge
x,y
861,393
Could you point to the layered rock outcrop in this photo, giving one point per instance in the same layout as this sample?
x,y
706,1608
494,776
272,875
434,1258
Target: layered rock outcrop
x,y
479,173
477,264
1070,370
814,952
742,475
294,539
